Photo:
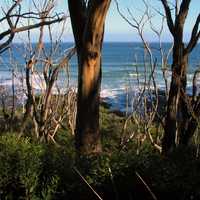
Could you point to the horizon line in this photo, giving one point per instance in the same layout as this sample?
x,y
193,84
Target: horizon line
x,y
106,41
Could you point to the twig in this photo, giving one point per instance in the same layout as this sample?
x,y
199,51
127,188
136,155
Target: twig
x,y
147,187
78,172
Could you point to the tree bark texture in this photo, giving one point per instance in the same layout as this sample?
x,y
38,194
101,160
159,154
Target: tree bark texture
x,y
180,124
88,28
177,113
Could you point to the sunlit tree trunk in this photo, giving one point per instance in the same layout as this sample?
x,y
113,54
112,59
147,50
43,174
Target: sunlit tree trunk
x,y
88,28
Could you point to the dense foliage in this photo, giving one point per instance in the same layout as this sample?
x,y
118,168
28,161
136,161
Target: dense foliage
x,y
32,170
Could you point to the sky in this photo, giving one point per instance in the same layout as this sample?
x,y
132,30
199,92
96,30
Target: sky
x,y
116,29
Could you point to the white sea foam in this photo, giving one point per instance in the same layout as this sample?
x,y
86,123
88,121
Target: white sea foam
x,y
110,92
120,96
18,84
134,75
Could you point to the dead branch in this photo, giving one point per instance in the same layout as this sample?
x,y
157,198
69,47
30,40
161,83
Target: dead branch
x,y
13,20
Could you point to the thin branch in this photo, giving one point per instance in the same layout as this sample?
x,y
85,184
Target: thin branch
x,y
170,22
13,29
147,187
85,181
194,36
4,46
122,15
32,15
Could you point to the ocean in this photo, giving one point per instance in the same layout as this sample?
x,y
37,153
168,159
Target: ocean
x,y
122,66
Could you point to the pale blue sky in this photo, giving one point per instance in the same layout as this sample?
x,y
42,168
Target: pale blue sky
x,y
118,30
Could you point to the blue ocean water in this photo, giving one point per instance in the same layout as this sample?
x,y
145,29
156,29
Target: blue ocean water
x,y
120,62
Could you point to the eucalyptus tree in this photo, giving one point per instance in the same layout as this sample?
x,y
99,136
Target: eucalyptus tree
x,y
182,114
88,19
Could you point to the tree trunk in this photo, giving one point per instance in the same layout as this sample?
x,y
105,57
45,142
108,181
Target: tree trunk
x,y
87,122
176,107
29,101
192,124
180,124
88,28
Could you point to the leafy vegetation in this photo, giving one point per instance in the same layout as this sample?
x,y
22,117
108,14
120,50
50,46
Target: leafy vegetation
x,y
32,170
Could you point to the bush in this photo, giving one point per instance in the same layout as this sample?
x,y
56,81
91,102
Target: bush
x,y
30,170
20,167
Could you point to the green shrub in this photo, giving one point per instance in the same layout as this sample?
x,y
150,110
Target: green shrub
x,y
31,170
20,166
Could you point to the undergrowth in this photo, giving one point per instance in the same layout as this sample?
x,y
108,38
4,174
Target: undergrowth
x,y
33,170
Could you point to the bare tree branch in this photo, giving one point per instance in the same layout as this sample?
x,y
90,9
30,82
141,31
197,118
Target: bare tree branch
x,y
122,15
170,22
32,15
14,18
194,36
184,7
